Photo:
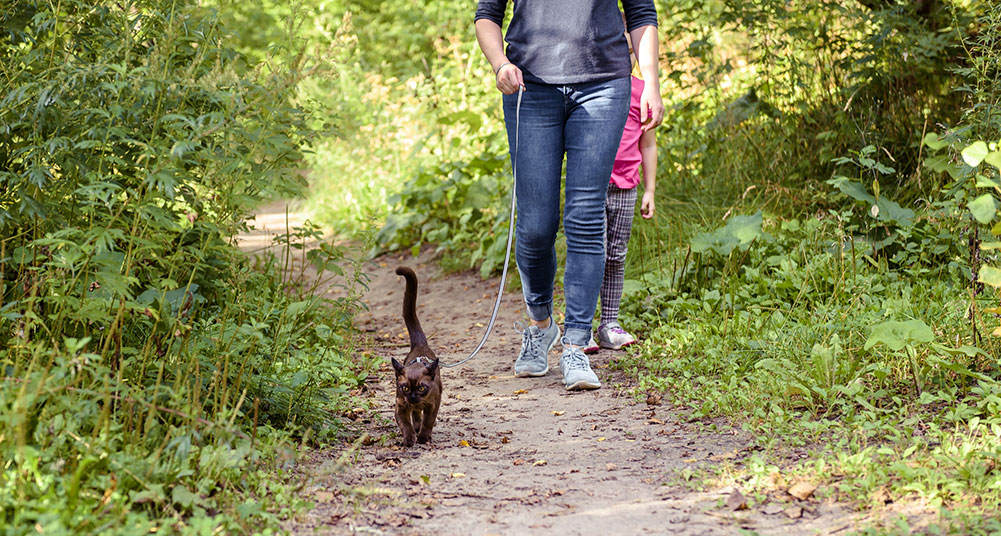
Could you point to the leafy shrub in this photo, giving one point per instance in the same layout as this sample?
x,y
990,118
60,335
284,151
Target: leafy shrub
x,y
153,375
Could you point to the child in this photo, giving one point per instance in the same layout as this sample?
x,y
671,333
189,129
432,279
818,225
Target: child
x,y
637,147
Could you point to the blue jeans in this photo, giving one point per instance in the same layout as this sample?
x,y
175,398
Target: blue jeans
x,y
585,122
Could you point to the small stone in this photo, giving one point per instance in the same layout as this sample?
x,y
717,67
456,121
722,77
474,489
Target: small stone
x,y
771,509
793,512
802,490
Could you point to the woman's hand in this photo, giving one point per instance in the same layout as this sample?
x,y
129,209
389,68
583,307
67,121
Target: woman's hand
x,y
651,109
509,78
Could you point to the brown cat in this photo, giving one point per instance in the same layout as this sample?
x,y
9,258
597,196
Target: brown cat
x,y
418,378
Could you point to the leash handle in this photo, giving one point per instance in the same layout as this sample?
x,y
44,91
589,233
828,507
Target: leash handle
x,y
510,237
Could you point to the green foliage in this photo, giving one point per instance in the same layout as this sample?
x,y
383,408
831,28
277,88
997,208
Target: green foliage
x,y
153,375
808,342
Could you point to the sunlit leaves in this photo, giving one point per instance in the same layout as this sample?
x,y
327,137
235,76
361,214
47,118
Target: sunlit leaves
x,y
975,153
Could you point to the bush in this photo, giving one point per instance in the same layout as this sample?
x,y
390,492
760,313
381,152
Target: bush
x,y
152,374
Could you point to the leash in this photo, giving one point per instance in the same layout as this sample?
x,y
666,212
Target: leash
x,y
510,237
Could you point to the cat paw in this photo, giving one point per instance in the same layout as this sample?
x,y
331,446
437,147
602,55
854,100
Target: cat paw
x,y
424,438
408,441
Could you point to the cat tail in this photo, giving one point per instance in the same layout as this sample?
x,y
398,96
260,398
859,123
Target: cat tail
x,y
417,337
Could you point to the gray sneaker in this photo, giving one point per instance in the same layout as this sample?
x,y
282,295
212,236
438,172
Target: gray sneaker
x,y
533,359
576,367
613,336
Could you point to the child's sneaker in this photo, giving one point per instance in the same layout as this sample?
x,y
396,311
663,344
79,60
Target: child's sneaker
x,y
592,346
614,337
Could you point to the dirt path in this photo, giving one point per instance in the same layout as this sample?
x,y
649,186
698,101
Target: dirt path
x,y
519,456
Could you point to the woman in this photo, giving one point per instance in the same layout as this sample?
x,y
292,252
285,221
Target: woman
x,y
572,60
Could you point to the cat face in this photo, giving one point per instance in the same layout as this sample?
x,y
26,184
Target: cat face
x,y
415,380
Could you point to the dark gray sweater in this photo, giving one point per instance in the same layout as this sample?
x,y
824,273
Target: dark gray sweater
x,y
569,41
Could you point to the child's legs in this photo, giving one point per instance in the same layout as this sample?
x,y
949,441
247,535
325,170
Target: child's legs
x,y
539,168
619,208
597,115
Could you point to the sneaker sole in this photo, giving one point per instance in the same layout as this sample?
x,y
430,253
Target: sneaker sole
x,y
546,371
583,384
591,350
613,347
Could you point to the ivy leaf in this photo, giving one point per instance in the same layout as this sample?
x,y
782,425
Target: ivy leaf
x,y
983,208
975,153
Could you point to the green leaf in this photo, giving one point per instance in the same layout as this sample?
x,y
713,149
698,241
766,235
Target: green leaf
x,y
990,275
739,231
896,335
933,143
983,208
994,159
183,496
985,182
974,154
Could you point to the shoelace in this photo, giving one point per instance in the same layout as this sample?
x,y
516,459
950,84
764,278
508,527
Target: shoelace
x,y
528,342
576,360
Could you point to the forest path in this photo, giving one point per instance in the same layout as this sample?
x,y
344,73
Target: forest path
x,y
521,456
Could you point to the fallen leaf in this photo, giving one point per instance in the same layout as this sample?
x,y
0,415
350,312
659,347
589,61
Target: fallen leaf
x,y
519,461
610,466
602,438
802,490
504,439
558,413
520,391
463,443
654,399
655,421
793,512
539,462
736,501
458,475
690,460
775,480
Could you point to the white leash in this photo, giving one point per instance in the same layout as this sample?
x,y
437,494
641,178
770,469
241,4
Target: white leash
x,y
510,237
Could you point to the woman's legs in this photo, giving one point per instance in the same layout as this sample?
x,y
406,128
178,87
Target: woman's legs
x,y
585,121
539,167
596,116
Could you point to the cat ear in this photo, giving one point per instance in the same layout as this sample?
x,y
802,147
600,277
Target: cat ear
x,y
397,365
433,367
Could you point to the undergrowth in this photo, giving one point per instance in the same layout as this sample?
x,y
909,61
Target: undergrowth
x,y
154,378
